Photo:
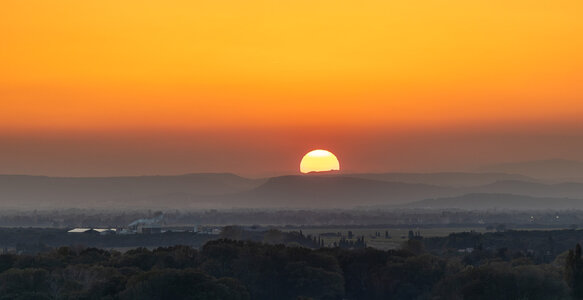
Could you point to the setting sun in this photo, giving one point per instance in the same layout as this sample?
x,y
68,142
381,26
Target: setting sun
x,y
319,161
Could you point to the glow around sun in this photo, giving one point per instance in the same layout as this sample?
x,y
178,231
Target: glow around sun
x,y
319,161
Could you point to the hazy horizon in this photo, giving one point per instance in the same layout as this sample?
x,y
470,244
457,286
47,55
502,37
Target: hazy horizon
x,y
104,89
482,169
266,154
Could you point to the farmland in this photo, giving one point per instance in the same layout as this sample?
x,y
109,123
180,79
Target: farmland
x,y
376,237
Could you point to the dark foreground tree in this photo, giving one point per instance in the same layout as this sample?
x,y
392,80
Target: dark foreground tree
x,y
574,272
185,284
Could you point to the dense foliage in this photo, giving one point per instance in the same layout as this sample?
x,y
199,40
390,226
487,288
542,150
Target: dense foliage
x,y
227,269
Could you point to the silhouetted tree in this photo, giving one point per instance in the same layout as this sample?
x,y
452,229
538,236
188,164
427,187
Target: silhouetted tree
x,y
574,272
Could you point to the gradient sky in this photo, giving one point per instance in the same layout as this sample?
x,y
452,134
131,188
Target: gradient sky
x,y
164,87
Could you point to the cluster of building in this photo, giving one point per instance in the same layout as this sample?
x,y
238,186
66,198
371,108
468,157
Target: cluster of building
x,y
150,226
100,231
211,230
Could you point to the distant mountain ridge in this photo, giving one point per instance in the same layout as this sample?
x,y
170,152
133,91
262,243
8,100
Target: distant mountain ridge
x,y
562,190
497,201
336,191
17,190
450,179
556,170
224,190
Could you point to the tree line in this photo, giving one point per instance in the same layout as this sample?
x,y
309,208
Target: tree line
x,y
229,269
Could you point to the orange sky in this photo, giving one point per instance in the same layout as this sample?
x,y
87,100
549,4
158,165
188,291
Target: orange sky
x,y
85,85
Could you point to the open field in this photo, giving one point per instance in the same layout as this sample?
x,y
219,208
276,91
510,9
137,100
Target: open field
x,y
375,237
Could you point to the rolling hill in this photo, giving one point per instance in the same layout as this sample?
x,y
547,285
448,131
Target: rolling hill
x,y
41,191
497,201
336,191
211,190
556,170
449,179
558,190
